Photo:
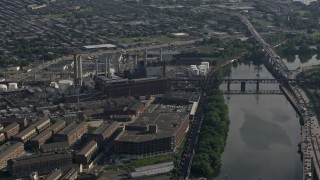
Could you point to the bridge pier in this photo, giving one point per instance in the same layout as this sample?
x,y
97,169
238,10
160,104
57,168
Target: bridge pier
x,y
243,86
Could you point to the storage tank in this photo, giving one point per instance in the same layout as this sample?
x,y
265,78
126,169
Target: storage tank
x,y
193,66
64,84
3,87
54,85
202,67
195,72
13,86
202,72
206,64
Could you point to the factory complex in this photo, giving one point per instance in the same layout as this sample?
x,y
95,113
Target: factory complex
x,y
94,111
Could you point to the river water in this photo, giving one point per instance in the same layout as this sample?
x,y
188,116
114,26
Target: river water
x,y
263,136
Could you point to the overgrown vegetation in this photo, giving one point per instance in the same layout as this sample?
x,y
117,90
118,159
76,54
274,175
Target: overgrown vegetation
x,y
212,139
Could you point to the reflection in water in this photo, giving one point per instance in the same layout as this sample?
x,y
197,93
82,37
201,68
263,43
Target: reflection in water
x,y
294,62
263,136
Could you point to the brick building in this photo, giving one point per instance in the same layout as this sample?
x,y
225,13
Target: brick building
x,y
54,147
41,138
103,132
8,120
159,131
10,130
72,132
41,163
86,153
10,150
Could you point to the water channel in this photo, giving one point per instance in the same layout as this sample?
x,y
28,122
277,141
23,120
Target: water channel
x,y
264,133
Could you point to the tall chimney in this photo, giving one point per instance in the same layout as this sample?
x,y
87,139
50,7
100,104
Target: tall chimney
x,y
160,54
80,70
119,61
136,61
97,67
106,67
109,74
75,68
145,58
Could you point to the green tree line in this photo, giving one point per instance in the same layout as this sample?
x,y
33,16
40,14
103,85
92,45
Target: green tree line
x,y
212,139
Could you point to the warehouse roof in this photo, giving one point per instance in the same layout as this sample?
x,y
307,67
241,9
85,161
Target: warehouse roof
x,y
167,118
99,46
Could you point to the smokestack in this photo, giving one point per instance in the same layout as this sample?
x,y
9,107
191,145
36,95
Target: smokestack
x,y
106,67
145,58
75,68
109,74
97,68
160,54
136,61
75,65
80,70
119,61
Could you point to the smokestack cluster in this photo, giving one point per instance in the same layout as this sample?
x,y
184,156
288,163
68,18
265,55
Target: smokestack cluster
x,y
78,70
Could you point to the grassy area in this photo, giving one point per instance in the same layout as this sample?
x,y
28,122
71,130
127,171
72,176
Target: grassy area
x,y
303,12
54,16
165,39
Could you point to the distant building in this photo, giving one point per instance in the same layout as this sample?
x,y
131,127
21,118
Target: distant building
x,y
41,138
103,132
54,147
7,121
71,174
32,130
71,133
10,130
159,130
10,150
133,87
41,163
55,175
86,153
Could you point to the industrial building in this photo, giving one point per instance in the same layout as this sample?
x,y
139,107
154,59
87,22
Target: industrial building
x,y
41,138
25,135
55,175
87,152
41,124
8,120
10,130
71,133
133,87
41,163
159,129
10,150
71,174
32,130
54,147
103,132
119,112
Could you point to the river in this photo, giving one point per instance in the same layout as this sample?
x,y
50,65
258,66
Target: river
x,y
263,136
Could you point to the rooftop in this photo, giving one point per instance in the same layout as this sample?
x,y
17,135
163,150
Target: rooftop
x,y
71,128
168,119
87,148
40,158
99,46
105,129
9,127
6,147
